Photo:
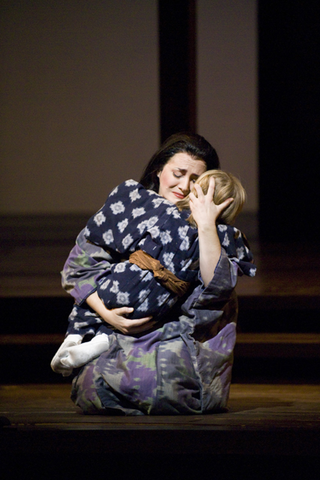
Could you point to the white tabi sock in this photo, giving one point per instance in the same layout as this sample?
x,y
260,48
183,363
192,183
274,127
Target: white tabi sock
x,y
56,365
81,354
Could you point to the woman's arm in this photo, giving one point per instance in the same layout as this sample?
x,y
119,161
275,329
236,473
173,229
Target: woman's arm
x,y
83,267
205,213
116,318
85,264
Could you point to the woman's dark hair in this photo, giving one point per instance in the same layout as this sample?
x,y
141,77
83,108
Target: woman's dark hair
x,y
191,143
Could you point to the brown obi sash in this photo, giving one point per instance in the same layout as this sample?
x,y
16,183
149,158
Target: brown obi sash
x,y
164,276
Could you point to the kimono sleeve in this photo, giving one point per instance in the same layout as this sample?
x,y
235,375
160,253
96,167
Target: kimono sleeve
x,y
217,292
237,248
83,267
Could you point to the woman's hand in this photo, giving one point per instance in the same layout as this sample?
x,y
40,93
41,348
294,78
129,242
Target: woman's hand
x,y
127,326
116,318
206,212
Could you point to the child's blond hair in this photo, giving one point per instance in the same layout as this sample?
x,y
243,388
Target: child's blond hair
x,y
226,186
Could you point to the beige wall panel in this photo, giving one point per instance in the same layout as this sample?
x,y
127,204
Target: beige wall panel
x,y
79,101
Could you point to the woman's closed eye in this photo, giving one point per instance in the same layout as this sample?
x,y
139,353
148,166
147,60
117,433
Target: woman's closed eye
x,y
178,173
181,174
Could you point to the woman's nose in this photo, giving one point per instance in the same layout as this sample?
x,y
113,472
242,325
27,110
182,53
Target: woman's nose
x,y
185,186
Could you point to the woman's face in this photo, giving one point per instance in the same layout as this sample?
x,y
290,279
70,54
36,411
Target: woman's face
x,y
178,176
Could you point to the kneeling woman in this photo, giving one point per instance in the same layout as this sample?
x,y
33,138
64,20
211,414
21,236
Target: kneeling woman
x,y
184,364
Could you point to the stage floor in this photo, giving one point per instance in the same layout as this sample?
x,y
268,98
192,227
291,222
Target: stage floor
x,y
271,429
262,419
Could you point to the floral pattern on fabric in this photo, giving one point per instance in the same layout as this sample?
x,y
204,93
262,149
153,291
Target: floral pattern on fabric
x,y
135,218
169,371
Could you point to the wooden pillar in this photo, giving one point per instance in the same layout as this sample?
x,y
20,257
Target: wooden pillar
x,y
289,120
177,55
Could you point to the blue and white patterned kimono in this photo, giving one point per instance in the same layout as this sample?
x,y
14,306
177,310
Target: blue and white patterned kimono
x,y
134,218
182,366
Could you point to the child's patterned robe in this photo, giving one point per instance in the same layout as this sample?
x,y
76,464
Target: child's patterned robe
x,y
135,218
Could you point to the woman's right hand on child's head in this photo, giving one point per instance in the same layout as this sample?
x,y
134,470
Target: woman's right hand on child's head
x,y
205,212
127,326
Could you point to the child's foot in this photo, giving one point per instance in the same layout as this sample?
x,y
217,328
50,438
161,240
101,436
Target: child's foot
x,y
81,354
56,365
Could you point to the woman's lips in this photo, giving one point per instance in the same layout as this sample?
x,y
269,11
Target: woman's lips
x,y
178,195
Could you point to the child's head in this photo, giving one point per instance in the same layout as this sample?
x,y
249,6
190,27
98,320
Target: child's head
x,y
226,186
